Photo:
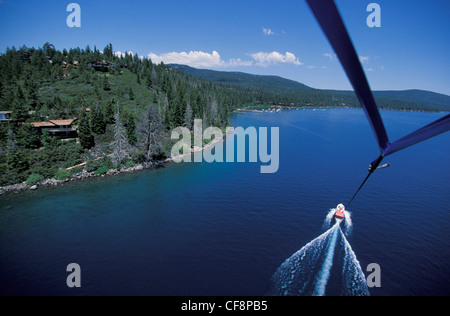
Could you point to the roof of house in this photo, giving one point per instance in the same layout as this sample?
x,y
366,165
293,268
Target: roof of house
x,y
5,112
43,124
62,122
54,123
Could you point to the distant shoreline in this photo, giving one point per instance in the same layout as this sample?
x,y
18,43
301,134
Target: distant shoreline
x,y
261,110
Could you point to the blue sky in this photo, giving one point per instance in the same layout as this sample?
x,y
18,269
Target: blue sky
x,y
409,51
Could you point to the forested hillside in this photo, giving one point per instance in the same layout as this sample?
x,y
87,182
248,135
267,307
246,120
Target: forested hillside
x,y
280,90
122,108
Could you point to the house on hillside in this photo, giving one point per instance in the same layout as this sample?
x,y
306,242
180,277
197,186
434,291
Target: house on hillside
x,y
64,129
103,66
5,116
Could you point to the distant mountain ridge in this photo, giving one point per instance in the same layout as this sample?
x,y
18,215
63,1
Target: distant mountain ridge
x,y
289,89
241,78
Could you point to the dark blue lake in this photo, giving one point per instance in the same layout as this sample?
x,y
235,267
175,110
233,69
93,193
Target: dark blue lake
x,y
225,228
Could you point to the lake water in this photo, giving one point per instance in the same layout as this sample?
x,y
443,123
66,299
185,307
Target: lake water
x,y
224,228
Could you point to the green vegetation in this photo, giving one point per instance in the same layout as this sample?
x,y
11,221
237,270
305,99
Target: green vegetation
x,y
102,170
62,175
273,90
124,109
34,179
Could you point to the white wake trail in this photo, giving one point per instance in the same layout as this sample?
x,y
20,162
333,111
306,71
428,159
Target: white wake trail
x,y
309,270
324,274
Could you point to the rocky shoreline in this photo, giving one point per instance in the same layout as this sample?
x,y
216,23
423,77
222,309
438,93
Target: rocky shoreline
x,y
80,176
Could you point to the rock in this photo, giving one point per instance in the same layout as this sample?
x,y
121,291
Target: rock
x,y
34,187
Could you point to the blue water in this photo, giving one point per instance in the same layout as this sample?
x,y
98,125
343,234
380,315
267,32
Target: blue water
x,y
225,229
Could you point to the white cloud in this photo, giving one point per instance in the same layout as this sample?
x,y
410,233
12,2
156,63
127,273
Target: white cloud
x,y
201,59
193,58
268,32
197,59
369,69
329,56
274,58
364,59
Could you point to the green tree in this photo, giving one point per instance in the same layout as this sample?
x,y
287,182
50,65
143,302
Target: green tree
x,y
106,85
98,122
84,131
19,107
16,162
130,125
131,94
109,111
28,137
120,144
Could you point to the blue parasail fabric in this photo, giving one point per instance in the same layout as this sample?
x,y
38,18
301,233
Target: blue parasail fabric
x,y
438,127
331,22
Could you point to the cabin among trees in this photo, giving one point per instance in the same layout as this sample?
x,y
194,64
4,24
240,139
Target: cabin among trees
x,y
103,66
64,129
5,116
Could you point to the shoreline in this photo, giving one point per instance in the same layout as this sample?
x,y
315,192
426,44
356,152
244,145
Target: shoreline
x,y
81,176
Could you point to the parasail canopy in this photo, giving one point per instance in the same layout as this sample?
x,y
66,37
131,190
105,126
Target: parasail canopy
x,y
331,22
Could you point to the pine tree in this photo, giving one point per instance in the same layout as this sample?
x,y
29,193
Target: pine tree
x,y
130,125
149,82
106,85
131,94
188,120
98,122
109,111
84,131
16,164
120,144
19,107
28,137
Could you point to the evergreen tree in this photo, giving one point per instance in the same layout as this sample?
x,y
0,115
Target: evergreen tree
x,y
108,51
98,122
188,120
149,81
106,85
131,94
130,125
109,111
120,144
16,163
19,107
84,131
28,137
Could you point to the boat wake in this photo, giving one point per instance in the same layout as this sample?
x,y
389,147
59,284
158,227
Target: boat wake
x,y
308,272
